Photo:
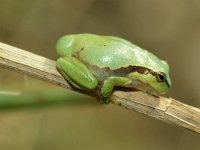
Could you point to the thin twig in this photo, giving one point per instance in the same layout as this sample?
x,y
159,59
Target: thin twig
x,y
166,109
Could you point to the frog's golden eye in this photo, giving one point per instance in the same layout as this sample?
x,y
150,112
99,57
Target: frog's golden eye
x,y
161,77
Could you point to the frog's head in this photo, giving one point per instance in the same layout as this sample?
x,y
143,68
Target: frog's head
x,y
152,81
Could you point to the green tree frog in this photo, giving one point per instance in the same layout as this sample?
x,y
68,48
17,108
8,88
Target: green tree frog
x,y
100,63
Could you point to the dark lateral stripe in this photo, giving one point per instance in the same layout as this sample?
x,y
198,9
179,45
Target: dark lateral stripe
x,y
142,70
129,69
126,70
123,71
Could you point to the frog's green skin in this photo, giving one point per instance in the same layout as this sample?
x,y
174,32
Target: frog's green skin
x,y
97,62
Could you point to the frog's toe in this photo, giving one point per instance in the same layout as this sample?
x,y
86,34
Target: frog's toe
x,y
104,100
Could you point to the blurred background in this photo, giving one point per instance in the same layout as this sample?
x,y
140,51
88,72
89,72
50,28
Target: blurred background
x,y
169,29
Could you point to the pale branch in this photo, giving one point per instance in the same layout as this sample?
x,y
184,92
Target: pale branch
x,y
166,109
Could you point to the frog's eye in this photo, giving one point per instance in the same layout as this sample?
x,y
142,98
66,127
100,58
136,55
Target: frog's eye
x,y
161,77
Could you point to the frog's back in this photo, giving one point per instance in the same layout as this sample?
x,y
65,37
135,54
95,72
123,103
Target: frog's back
x,y
109,51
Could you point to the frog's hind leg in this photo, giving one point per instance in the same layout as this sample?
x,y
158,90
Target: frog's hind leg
x,y
76,73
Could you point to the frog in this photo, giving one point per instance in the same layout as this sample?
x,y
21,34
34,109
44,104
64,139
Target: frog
x,y
100,63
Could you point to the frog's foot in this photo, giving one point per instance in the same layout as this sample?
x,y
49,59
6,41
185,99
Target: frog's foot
x,y
76,73
104,100
108,86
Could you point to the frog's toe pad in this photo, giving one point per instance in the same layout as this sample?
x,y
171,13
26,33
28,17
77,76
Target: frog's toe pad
x,y
104,100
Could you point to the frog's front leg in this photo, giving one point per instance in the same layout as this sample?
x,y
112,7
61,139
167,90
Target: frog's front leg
x,y
76,73
109,84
